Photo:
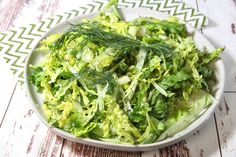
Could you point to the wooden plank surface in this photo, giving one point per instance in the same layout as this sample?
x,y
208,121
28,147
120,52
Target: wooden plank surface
x,y
224,25
21,127
226,123
22,132
8,83
9,11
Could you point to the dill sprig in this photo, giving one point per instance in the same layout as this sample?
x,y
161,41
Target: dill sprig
x,y
94,33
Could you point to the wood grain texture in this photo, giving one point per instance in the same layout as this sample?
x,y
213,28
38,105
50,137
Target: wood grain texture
x,y
222,33
8,12
204,141
72,149
21,133
48,8
177,150
51,145
226,123
21,127
5,106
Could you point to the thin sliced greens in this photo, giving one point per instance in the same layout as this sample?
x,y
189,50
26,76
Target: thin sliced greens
x,y
132,82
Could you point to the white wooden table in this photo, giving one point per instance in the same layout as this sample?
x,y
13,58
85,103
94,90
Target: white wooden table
x,y
22,134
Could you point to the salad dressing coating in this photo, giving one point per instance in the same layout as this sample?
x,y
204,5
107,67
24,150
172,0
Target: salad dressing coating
x,y
133,82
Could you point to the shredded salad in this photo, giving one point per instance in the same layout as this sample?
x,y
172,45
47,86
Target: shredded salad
x,y
132,82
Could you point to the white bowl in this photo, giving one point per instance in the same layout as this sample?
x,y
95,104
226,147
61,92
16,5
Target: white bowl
x,y
128,14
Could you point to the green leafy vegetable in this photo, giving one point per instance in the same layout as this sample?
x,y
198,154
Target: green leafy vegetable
x,y
130,82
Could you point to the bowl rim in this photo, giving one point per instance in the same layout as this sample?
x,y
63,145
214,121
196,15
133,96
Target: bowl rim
x,y
196,124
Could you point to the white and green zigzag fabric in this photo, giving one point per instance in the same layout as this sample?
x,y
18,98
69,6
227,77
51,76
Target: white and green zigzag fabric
x,y
17,43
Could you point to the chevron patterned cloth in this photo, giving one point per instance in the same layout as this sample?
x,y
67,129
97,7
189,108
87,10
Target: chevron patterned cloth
x,y
17,43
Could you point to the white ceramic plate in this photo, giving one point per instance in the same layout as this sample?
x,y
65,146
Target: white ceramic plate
x,y
128,14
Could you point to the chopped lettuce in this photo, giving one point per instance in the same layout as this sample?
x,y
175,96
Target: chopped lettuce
x,y
133,82
198,102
